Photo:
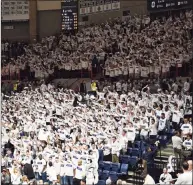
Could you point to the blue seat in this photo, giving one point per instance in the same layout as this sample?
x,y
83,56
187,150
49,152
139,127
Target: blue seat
x,y
125,159
133,161
163,140
124,169
129,150
113,176
104,175
100,172
115,167
107,166
101,182
135,152
137,144
101,165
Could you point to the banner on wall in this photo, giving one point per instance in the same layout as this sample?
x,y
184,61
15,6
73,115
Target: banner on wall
x,y
107,5
97,6
83,8
12,10
91,7
115,4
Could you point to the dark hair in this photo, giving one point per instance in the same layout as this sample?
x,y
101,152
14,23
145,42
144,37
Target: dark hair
x,y
176,133
185,165
163,114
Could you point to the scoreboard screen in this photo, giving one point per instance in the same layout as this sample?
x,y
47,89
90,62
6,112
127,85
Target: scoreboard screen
x,y
164,5
69,11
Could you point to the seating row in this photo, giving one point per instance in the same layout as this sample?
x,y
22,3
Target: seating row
x,y
105,174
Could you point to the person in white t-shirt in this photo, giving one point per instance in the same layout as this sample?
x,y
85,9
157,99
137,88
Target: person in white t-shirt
x,y
153,128
41,168
162,124
79,173
187,85
57,166
187,144
186,128
165,177
91,172
62,133
51,173
68,171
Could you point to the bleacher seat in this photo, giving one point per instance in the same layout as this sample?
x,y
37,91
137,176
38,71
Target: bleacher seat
x,y
129,150
163,140
113,176
107,166
104,175
125,159
101,182
100,172
101,165
133,161
135,152
115,167
137,144
124,169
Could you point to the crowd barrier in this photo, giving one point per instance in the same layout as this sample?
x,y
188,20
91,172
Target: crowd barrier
x,y
8,73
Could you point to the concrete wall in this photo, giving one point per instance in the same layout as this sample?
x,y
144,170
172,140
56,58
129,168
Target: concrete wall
x,y
15,31
48,23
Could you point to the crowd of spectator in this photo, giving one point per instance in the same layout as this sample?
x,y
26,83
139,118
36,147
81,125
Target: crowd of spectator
x,y
134,46
56,136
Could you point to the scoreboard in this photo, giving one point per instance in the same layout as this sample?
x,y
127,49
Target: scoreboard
x,y
69,12
167,5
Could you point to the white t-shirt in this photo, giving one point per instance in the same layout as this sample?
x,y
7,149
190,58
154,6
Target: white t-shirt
x,y
62,134
186,128
79,172
40,164
187,144
69,169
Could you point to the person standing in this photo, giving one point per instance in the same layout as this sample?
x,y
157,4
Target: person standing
x,y
51,173
83,87
94,88
162,124
28,171
41,163
68,172
116,147
177,145
187,85
79,173
91,172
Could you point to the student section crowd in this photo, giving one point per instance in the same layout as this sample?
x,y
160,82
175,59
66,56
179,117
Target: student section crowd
x,y
53,135
132,47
